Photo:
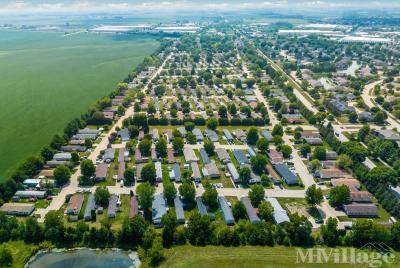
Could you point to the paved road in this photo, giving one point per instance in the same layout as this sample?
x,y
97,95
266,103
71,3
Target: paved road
x,y
73,185
367,97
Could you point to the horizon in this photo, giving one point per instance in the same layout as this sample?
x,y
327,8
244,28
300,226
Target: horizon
x,y
152,6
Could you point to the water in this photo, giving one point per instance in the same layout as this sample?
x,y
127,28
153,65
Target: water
x,y
352,69
85,258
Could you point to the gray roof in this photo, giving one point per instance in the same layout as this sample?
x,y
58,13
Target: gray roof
x,y
189,155
226,210
233,171
28,194
279,213
286,174
240,157
159,209
109,154
266,134
62,157
73,148
251,151
195,170
177,171
251,212
89,131
158,167
227,134
201,207
112,206
180,214
124,134
211,170
223,155
182,130
84,136
212,135
198,134
204,155
89,207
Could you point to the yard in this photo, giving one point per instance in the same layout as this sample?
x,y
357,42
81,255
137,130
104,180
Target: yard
x,y
246,256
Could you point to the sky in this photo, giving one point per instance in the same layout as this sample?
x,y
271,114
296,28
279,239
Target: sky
x,y
12,6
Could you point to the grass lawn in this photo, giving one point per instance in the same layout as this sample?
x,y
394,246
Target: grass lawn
x,y
246,256
47,80
21,252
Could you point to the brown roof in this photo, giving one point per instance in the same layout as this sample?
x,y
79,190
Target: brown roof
x,y
134,207
351,183
361,210
101,170
170,154
49,173
273,173
310,134
360,196
75,204
330,173
275,156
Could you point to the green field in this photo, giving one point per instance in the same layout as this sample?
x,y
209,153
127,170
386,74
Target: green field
x,y
47,79
246,256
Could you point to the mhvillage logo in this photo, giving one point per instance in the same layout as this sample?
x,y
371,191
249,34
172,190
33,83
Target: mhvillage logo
x,y
371,255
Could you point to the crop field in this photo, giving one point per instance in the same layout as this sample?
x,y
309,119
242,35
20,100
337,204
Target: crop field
x,y
47,79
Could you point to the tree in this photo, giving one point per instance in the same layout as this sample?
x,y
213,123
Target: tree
x,y
344,161
395,235
330,233
256,194
33,232
148,173
265,210
210,198
209,147
87,168
305,149
191,138
178,144
47,153
232,109
188,192
88,143
277,130
169,192
133,230
319,153
339,196
262,145
145,146
170,223
286,151
54,226
156,252
354,150
252,136
62,174
258,163
244,175
367,231
353,117
222,111
189,126
161,147
239,211
102,196
379,118
199,229
250,82
314,195
6,258
129,176
145,193
75,158
212,123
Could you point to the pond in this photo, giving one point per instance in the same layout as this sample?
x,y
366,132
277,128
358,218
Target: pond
x,y
352,69
85,258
